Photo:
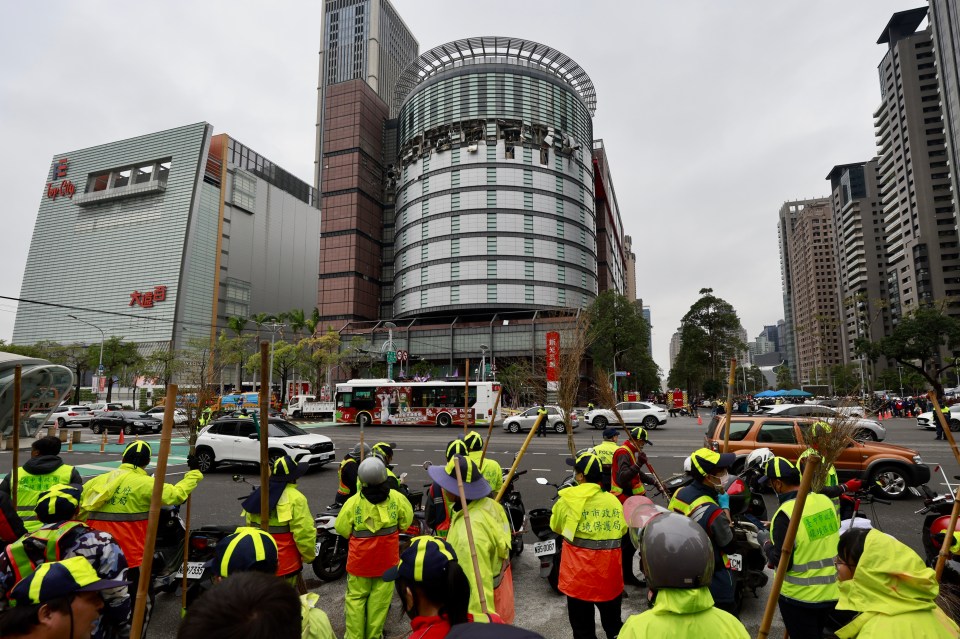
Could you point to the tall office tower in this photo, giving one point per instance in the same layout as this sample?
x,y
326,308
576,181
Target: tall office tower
x,y
675,344
807,265
495,193
945,24
611,251
630,268
365,47
645,311
860,255
922,253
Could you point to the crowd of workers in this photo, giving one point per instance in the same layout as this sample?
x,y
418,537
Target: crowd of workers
x,y
72,553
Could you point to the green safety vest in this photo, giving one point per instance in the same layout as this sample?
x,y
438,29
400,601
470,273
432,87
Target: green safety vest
x,y
20,562
30,486
813,577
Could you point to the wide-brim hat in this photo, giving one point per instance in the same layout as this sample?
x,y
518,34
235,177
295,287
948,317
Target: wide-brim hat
x,y
475,485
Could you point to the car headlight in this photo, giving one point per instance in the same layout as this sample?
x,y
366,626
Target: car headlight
x,y
138,423
299,446
917,459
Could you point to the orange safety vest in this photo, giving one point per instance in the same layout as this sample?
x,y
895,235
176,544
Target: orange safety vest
x,y
636,484
591,556
22,565
127,529
343,489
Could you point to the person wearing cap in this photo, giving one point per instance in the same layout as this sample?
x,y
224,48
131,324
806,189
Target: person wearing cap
x,y
347,474
704,502
626,480
832,487
44,469
542,417
490,469
118,502
384,450
605,450
371,520
58,599
591,523
439,506
291,522
808,598
61,536
490,527
678,561
432,587
253,550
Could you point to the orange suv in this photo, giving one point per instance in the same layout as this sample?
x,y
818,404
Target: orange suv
x,y
895,468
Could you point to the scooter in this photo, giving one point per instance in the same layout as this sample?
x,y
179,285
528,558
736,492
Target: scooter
x,y
331,561
549,549
203,548
936,511
168,552
516,514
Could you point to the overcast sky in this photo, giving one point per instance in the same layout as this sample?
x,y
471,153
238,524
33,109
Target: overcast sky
x,y
713,112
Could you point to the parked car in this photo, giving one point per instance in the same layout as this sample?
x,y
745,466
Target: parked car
x,y
524,421
928,421
104,407
867,428
894,468
844,407
179,415
128,421
643,414
230,439
64,416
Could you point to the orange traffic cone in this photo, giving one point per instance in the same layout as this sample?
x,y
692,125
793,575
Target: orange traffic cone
x,y
699,420
120,441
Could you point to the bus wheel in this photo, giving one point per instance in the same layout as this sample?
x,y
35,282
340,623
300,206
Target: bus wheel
x,y
363,420
443,420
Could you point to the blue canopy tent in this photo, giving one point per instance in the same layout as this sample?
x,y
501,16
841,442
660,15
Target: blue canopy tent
x,y
767,393
795,393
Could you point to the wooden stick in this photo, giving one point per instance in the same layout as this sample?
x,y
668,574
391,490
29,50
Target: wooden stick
x,y
948,539
466,398
473,549
809,470
159,476
186,558
264,437
520,453
493,418
729,407
945,424
15,471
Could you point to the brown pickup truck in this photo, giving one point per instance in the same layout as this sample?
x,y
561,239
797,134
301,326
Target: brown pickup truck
x,y
895,468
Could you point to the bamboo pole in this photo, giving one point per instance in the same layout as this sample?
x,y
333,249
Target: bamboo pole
x,y
15,470
473,549
493,418
729,407
264,436
948,538
520,453
945,424
159,477
809,470
466,398
186,538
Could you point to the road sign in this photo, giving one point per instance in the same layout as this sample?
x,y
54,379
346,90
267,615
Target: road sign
x,y
622,373
391,357
100,369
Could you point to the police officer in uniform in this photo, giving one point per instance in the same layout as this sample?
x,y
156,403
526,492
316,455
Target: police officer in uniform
x,y
605,451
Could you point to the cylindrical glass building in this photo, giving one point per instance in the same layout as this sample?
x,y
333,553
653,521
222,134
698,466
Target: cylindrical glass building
x,y
495,199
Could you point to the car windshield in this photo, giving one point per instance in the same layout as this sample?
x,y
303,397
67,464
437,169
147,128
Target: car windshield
x,y
285,429
136,415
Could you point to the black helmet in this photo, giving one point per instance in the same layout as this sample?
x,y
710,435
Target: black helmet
x,y
676,553
355,451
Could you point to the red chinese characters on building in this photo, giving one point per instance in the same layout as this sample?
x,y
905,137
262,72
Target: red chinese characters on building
x,y
148,298
553,360
66,187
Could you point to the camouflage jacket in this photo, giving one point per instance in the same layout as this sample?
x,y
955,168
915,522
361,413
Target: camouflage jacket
x,y
107,559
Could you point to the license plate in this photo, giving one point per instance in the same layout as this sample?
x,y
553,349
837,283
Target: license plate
x,y
736,562
194,570
548,547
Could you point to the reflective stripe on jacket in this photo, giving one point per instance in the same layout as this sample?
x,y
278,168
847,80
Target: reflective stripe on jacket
x,y
491,536
30,486
636,486
373,532
291,525
592,525
813,578
21,563
490,470
343,489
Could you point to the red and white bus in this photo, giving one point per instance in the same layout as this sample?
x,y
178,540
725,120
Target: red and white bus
x,y
384,401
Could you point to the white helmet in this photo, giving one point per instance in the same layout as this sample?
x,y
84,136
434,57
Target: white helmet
x,y
372,472
759,458
687,465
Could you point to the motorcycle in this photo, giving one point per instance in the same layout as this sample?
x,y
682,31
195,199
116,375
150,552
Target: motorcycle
x,y
516,513
168,552
331,561
549,549
936,511
203,548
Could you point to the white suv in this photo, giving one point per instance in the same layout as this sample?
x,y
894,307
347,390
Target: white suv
x,y
643,414
66,415
231,439
179,415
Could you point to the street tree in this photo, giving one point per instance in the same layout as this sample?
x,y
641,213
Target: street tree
x,y
619,337
118,355
517,380
846,379
239,349
709,338
323,353
163,365
784,379
287,359
925,341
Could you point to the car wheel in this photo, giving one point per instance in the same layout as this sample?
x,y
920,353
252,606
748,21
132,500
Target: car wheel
x,y
866,435
444,420
363,420
128,430
513,427
96,429
955,425
560,427
61,422
892,481
206,460
600,422
650,422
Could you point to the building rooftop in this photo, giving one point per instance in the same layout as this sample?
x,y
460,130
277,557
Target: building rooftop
x,y
902,24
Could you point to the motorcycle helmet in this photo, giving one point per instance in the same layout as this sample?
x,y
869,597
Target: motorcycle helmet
x,y
939,525
676,553
639,511
372,472
355,451
687,465
757,460
739,494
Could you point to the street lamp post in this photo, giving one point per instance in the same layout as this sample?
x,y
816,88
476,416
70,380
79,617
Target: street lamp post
x,y
900,371
273,335
100,364
615,355
484,349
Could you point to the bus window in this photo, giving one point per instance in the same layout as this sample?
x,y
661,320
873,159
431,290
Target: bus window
x,y
360,398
